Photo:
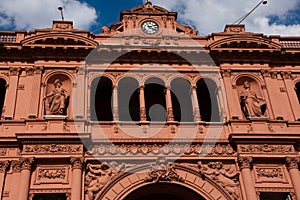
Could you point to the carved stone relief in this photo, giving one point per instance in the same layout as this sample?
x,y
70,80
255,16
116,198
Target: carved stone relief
x,y
52,175
163,171
98,175
51,148
265,148
225,175
269,174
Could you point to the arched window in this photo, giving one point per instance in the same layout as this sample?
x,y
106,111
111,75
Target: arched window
x,y
101,99
297,88
2,94
155,99
128,100
181,100
207,100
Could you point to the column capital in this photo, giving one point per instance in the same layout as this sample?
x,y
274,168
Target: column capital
x,y
245,162
77,162
26,163
292,162
4,165
142,87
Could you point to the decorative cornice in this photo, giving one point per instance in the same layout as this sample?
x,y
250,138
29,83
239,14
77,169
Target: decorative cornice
x,y
245,162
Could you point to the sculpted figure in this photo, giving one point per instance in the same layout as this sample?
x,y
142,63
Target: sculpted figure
x,y
55,101
225,176
251,104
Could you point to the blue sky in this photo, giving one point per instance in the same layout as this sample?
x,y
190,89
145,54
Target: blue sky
x,y
276,17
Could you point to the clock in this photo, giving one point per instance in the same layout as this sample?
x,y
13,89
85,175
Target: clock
x,y
150,27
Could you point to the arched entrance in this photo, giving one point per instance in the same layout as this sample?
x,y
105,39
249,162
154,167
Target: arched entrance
x,y
163,191
185,184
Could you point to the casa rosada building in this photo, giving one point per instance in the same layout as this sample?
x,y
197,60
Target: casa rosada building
x,y
148,109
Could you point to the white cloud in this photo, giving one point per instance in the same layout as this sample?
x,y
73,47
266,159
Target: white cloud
x,y
32,14
211,15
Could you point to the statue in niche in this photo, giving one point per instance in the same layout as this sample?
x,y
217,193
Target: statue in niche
x,y
251,104
56,100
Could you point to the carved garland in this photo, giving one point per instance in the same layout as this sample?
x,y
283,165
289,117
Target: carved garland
x,y
162,149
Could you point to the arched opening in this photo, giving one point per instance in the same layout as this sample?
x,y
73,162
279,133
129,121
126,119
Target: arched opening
x,y
181,100
207,100
163,191
297,88
2,94
101,99
155,99
128,99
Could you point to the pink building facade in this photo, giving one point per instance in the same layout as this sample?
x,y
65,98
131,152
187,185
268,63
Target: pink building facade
x,y
149,110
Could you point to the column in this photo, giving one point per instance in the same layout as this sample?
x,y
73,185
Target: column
x,y
245,168
11,93
3,167
292,165
194,97
23,190
115,104
143,116
77,164
170,116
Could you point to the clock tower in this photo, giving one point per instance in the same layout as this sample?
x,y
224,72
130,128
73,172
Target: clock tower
x,y
150,20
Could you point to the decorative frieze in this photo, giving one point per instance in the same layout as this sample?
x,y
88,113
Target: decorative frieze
x,y
265,148
163,149
52,148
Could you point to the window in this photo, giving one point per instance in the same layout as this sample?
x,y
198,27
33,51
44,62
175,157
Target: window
x,y
2,94
49,197
155,99
101,99
128,100
207,100
275,196
181,100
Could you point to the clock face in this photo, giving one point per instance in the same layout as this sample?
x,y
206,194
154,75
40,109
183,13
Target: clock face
x,y
150,27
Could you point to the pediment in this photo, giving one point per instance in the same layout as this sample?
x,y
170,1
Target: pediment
x,y
57,39
149,9
245,42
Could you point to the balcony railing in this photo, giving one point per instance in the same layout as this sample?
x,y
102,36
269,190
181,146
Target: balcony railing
x,y
7,37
